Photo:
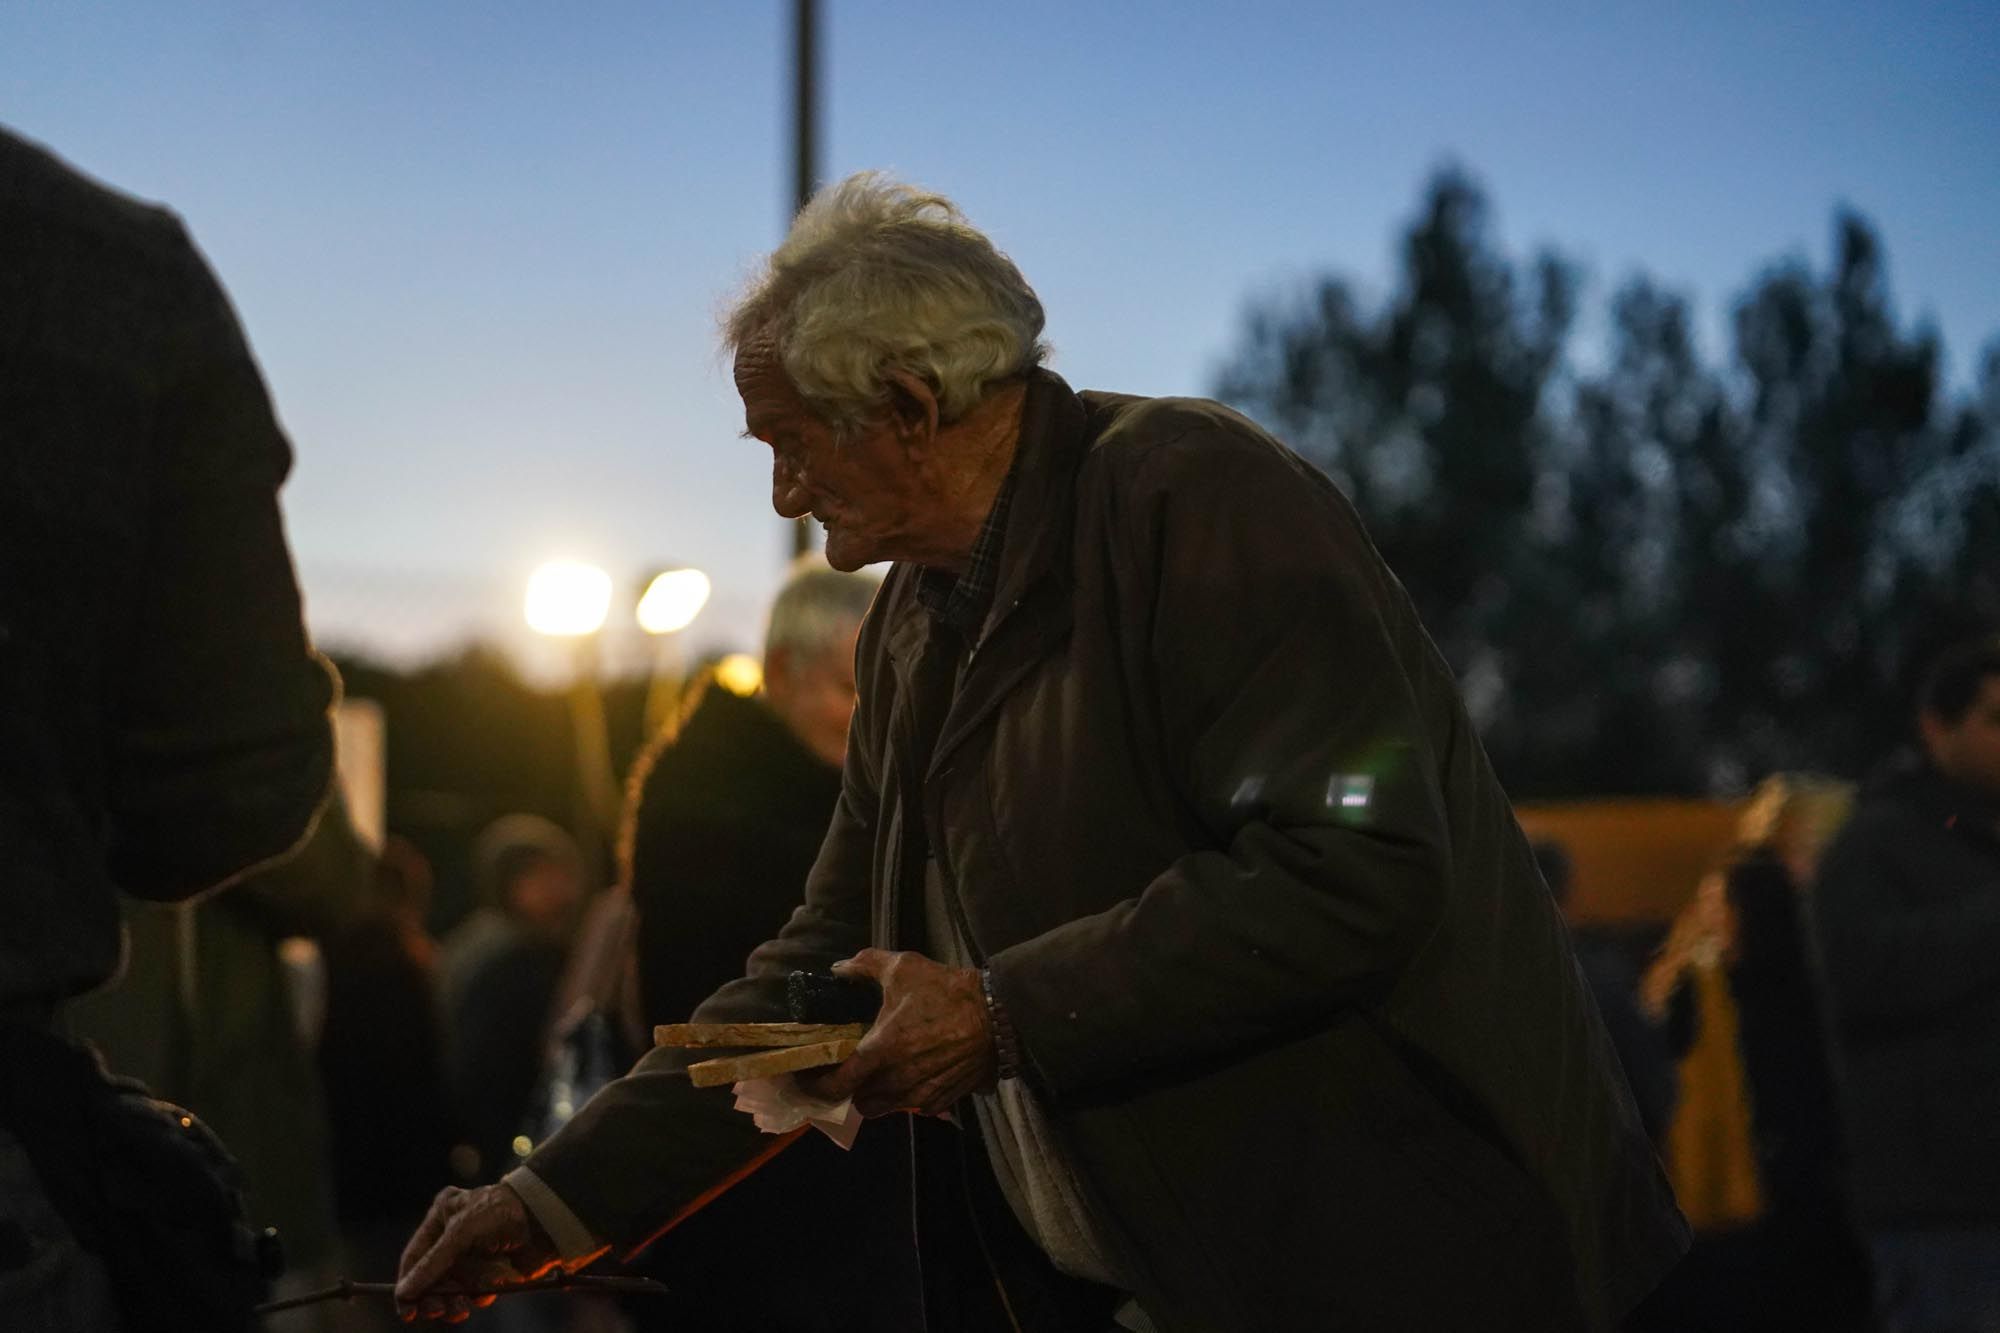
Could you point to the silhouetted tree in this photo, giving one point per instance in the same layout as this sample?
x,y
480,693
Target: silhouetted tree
x,y
1600,692
1843,416
1656,577
1437,393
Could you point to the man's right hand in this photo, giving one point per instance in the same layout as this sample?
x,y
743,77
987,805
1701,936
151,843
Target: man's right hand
x,y
471,1241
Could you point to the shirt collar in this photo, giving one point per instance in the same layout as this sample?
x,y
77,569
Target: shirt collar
x,y
962,601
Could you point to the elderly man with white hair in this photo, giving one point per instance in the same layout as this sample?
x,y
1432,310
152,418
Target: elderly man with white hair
x,y
1192,896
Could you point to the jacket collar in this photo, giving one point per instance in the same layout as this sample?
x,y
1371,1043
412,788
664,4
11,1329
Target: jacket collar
x,y
1037,543
1039,527
1031,605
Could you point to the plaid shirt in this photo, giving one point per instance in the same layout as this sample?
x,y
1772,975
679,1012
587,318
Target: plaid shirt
x,y
962,601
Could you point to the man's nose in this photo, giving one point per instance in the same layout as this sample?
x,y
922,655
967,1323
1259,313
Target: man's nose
x,y
788,491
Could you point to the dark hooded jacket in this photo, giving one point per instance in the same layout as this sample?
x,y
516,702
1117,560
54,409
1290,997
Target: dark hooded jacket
x,y
729,817
163,719
1908,909
1207,801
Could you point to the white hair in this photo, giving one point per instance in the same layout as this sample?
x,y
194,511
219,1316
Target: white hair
x,y
878,276
818,607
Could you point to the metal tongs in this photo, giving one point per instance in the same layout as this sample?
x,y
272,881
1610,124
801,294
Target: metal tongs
x,y
347,1289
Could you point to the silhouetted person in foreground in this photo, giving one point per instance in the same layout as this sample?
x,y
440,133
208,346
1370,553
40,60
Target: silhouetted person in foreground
x,y
208,1013
163,724
1909,915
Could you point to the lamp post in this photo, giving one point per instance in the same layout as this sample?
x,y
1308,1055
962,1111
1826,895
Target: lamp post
x,y
567,599
805,158
671,601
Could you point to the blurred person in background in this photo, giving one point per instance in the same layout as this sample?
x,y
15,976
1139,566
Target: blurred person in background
x,y
1756,1148
1191,894
727,815
381,1060
729,808
497,977
1614,984
1909,915
163,726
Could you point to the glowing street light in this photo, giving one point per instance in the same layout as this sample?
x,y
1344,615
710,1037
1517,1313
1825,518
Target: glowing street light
x,y
672,601
568,599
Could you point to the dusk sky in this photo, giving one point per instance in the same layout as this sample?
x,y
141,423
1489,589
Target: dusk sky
x,y
480,247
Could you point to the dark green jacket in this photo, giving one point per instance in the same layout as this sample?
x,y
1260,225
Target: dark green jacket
x,y
1210,804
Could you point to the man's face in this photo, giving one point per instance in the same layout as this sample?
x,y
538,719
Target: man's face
x,y
865,492
1968,750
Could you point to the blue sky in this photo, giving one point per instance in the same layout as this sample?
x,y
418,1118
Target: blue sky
x,y
479,247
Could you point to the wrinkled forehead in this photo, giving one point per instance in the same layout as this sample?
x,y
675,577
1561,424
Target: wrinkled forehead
x,y
761,381
759,369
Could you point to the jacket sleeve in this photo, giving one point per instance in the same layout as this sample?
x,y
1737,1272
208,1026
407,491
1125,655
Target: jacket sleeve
x,y
223,752
1888,959
1285,693
651,1148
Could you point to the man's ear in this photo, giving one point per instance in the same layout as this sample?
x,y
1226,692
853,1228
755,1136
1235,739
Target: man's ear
x,y
913,408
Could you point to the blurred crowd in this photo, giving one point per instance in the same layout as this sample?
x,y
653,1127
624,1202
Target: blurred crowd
x,y
1815,1043
355,1064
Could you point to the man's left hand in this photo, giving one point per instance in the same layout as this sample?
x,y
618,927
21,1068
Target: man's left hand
x,y
930,1045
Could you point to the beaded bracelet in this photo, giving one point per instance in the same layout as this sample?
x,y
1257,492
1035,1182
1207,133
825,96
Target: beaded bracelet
x,y
1006,1046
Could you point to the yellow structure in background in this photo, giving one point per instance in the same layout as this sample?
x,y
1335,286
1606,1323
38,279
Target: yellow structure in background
x,y
1636,861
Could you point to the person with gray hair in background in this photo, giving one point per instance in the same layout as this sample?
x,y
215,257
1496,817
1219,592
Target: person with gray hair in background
x,y
728,808
727,811
1165,831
